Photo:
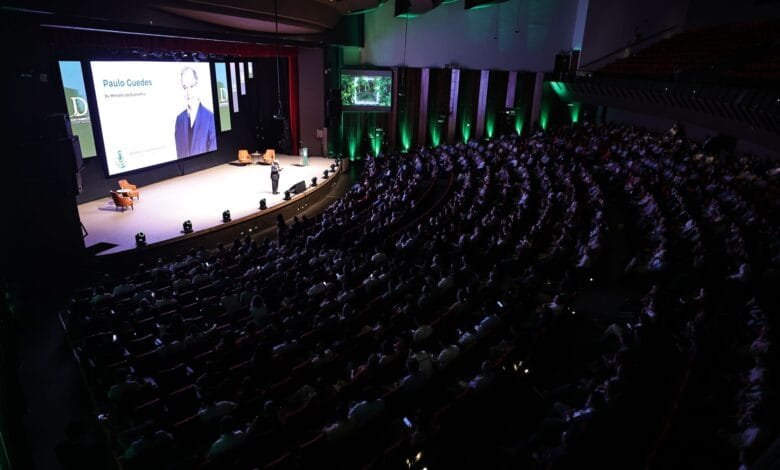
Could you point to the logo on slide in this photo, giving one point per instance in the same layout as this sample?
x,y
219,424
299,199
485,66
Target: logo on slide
x,y
120,160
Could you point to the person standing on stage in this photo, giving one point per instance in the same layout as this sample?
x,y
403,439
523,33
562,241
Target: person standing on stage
x,y
275,169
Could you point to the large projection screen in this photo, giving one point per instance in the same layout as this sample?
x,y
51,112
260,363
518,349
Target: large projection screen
x,y
153,112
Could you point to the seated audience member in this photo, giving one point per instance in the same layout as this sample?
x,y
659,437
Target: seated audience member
x,y
340,429
212,410
447,353
414,380
152,441
231,436
363,411
122,391
484,379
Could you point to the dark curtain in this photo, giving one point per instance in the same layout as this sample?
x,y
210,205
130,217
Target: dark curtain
x,y
269,131
294,121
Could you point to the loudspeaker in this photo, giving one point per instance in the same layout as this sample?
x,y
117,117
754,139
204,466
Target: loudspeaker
x,y
79,184
562,65
77,158
56,126
298,188
51,163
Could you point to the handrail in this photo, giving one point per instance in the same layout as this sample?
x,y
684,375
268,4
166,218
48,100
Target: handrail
x,y
623,48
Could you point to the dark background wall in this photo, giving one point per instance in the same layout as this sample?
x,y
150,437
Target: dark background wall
x,y
515,35
614,24
709,12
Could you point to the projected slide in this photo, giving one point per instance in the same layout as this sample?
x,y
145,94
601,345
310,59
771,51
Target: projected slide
x,y
76,102
153,112
366,90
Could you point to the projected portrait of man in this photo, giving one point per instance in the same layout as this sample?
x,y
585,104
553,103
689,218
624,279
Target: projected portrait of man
x,y
195,132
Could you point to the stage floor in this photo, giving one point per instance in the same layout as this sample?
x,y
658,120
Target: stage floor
x,y
200,197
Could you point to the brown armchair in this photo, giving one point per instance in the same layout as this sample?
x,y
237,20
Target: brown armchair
x,y
244,158
269,156
129,190
122,201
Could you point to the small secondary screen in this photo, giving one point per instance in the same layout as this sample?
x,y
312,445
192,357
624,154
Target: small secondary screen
x,y
366,90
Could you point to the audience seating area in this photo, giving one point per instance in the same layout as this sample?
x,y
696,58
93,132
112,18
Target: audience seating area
x,y
735,51
585,297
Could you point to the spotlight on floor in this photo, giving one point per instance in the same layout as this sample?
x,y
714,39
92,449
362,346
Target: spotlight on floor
x,y
140,239
226,216
287,195
314,181
263,205
325,174
187,226
333,167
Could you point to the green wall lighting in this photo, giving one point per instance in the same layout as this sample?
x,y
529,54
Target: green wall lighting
x,y
519,123
574,111
434,128
376,140
406,137
465,130
561,90
353,131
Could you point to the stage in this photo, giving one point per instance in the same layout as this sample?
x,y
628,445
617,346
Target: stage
x,y
200,197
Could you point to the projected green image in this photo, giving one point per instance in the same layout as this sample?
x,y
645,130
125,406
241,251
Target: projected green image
x,y
374,91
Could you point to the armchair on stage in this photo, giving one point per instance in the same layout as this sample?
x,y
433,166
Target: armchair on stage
x,y
122,201
269,156
244,158
129,190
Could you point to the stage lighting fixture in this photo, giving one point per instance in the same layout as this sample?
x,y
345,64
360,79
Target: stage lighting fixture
x,y
325,174
314,181
332,167
263,205
187,226
140,239
226,216
287,195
